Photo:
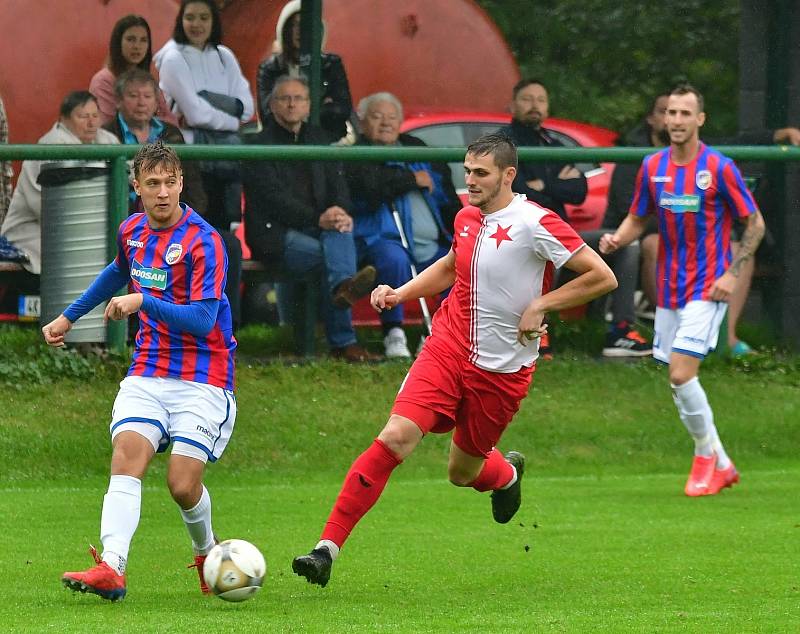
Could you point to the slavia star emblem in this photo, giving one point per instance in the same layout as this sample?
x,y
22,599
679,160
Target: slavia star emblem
x,y
501,233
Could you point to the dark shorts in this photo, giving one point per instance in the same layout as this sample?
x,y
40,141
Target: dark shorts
x,y
443,391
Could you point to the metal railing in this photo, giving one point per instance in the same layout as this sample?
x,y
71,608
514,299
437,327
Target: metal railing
x,y
117,155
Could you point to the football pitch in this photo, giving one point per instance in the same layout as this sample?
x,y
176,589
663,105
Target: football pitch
x,y
605,540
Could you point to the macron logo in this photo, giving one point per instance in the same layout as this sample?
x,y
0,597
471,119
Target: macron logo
x,y
135,243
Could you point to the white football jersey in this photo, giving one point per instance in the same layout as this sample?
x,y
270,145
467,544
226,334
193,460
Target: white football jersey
x,y
503,261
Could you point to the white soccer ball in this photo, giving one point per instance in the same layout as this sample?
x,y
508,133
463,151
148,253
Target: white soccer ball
x,y
234,570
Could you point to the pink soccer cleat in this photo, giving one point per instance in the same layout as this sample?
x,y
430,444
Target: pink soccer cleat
x,y
700,476
722,479
101,580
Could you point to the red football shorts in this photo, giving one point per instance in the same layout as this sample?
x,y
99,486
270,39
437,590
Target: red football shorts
x,y
443,390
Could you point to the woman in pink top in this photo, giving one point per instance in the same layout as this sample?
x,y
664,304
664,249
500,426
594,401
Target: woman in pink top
x,y
130,47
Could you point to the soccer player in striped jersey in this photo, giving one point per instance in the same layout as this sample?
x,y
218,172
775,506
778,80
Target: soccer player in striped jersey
x,y
179,388
477,365
696,193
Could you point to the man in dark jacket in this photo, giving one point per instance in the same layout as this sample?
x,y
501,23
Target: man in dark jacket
x,y
421,193
552,185
296,217
137,103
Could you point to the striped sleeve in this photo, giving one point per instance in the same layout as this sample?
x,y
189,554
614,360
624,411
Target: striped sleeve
x,y
209,267
642,203
735,192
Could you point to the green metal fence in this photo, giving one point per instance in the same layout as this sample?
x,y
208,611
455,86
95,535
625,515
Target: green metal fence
x,y
117,155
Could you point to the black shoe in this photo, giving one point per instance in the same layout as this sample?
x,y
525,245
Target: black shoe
x,y
506,502
315,566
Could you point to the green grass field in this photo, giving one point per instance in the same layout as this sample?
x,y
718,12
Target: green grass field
x,y
605,540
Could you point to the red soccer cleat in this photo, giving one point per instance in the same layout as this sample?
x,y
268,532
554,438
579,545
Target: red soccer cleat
x,y
700,476
101,580
199,560
722,479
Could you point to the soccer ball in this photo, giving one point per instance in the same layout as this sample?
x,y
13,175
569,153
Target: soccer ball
x,y
234,570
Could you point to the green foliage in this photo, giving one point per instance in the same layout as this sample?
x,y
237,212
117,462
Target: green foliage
x,y
604,60
26,361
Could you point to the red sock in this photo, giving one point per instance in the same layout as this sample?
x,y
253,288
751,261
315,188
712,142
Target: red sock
x,y
362,487
496,473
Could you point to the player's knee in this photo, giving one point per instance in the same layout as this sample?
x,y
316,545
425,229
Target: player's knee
x,y
679,376
185,491
400,436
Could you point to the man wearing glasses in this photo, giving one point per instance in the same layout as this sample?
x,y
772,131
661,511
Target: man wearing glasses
x,y
297,219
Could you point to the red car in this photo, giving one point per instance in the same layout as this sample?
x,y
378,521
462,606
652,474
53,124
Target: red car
x,y
459,129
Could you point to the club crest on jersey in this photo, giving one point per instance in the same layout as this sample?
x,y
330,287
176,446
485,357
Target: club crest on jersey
x,y
703,179
149,276
174,253
679,203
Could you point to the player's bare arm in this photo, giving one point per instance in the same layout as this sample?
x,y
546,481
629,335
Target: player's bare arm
x,y
630,229
594,279
751,238
123,306
54,331
436,278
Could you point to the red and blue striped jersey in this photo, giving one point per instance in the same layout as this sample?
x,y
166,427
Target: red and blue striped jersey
x,y
696,205
180,264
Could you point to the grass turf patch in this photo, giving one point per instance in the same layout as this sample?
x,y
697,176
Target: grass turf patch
x,y
621,553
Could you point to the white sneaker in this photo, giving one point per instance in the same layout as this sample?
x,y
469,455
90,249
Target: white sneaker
x,y
396,345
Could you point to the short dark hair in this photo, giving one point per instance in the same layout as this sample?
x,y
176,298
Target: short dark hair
x,y
499,145
285,79
134,76
116,62
654,102
151,155
687,89
215,38
524,83
73,100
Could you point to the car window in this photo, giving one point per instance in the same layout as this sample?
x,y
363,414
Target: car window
x,y
454,135
462,134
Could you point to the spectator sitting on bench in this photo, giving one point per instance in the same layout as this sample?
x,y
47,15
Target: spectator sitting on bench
x,y
296,218
78,122
136,122
423,196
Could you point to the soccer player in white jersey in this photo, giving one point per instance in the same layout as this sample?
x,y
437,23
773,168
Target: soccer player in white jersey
x,y
477,365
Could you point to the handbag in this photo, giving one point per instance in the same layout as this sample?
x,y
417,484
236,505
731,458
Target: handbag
x,y
222,169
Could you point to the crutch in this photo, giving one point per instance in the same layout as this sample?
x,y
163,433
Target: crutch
x,y
422,303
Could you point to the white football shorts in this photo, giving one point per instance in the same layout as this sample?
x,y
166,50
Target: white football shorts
x,y
196,418
691,330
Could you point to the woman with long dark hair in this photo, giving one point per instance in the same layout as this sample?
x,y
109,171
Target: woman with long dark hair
x,y
336,103
130,46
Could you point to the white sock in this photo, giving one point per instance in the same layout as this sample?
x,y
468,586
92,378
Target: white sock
x,y
695,412
333,549
198,523
121,509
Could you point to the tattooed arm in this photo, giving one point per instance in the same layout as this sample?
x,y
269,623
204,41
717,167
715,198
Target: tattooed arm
x,y
751,238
